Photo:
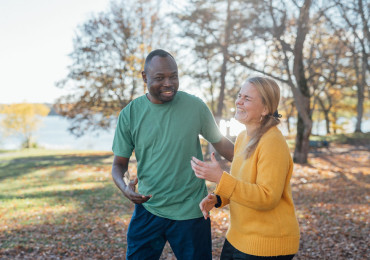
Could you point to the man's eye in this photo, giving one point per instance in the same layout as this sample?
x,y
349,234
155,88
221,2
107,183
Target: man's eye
x,y
158,78
174,77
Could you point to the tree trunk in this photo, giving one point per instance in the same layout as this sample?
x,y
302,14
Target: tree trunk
x,y
326,114
302,92
221,97
304,127
334,115
327,121
28,142
360,97
360,110
288,125
361,85
225,55
302,141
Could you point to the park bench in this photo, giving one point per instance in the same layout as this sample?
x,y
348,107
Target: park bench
x,y
319,144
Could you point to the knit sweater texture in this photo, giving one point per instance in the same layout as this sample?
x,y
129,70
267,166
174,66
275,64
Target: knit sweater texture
x,y
258,191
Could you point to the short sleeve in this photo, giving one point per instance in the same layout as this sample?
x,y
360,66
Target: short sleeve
x,y
123,144
209,128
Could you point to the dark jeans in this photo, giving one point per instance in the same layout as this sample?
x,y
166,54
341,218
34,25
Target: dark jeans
x,y
230,253
147,234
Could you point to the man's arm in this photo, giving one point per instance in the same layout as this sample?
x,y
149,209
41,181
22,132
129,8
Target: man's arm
x,y
225,148
119,167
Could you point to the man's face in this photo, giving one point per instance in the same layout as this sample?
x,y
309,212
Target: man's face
x,y
162,79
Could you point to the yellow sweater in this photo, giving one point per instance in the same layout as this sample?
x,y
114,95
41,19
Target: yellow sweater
x,y
262,215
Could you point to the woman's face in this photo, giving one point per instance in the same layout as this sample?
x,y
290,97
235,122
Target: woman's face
x,y
249,106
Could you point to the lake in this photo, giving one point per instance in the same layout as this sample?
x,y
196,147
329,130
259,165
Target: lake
x,y
54,134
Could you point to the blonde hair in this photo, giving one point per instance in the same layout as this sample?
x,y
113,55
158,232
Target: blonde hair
x,y
270,95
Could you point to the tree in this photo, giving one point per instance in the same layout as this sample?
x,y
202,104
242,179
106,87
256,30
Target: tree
x,y
287,110
326,71
352,23
283,30
211,30
107,60
23,119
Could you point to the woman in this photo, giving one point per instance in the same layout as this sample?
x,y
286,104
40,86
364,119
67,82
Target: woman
x,y
263,224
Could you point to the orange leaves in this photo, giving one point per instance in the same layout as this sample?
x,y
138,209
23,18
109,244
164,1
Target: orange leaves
x,y
331,203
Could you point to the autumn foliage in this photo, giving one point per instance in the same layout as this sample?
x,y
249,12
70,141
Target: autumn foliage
x,y
23,119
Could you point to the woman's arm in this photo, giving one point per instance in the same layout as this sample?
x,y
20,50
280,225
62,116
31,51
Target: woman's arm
x,y
271,169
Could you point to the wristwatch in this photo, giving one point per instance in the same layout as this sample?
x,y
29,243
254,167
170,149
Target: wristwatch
x,y
219,201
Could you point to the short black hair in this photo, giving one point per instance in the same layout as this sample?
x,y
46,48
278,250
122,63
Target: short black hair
x,y
152,54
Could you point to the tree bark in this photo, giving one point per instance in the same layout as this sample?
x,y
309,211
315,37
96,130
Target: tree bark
x,y
225,55
302,93
360,95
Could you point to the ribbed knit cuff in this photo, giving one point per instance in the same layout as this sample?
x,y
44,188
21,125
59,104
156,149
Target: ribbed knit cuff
x,y
263,246
226,185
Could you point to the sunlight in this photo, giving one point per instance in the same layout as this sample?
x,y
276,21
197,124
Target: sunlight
x,y
233,125
32,211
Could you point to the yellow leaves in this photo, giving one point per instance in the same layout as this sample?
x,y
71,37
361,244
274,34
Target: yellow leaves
x,y
23,118
25,109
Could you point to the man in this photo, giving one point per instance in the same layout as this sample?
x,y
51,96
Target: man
x,y
163,128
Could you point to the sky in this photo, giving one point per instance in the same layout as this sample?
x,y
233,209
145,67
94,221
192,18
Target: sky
x,y
36,38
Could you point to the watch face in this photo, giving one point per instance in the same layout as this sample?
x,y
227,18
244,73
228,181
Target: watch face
x,y
219,201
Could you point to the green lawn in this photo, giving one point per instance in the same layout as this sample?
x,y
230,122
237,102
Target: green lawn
x,y
60,203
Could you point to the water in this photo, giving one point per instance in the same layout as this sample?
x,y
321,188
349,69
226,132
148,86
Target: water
x,y
318,128
53,134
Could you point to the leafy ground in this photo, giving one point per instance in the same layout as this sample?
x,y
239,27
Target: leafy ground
x,y
64,205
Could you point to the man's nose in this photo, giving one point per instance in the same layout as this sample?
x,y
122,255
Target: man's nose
x,y
167,81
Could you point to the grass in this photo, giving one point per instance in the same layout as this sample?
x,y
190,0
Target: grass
x,y
47,197
353,138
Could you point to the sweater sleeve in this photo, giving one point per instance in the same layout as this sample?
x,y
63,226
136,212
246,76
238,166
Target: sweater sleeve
x,y
224,196
272,166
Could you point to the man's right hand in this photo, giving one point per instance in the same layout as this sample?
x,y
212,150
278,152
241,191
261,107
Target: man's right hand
x,y
119,167
135,197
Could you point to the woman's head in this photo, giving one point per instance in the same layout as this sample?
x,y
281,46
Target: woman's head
x,y
256,107
269,92
257,100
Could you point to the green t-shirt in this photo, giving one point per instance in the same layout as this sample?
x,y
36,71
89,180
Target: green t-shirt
x,y
165,137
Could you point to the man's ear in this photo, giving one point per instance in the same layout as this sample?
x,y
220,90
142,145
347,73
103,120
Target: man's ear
x,y
143,75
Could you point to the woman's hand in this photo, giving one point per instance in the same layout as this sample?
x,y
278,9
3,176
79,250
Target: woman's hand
x,y
209,171
207,204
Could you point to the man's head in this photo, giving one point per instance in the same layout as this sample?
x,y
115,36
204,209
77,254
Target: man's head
x,y
161,76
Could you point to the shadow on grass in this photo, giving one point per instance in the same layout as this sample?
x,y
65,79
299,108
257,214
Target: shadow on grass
x,y
20,166
94,233
93,227
83,197
95,230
